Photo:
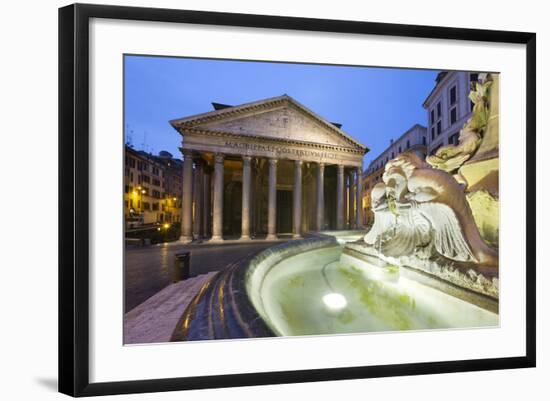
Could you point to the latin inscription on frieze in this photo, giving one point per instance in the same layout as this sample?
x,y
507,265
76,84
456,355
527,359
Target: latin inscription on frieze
x,y
282,150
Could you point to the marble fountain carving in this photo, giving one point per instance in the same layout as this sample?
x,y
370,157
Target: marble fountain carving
x,y
423,211
441,216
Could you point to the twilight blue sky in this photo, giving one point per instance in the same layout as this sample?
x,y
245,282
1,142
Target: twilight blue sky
x,y
373,105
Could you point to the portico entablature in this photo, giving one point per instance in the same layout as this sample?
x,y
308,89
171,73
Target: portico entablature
x,y
257,146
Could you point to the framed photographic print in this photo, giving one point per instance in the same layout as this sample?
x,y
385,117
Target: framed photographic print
x,y
279,199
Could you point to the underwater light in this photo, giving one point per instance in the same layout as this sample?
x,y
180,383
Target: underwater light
x,y
335,301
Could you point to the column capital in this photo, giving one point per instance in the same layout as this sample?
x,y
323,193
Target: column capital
x,y
186,152
247,159
219,157
298,162
340,168
273,161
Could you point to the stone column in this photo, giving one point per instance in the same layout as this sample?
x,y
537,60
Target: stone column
x,y
197,196
272,201
340,198
217,206
257,199
187,198
206,204
320,196
297,199
346,201
359,198
245,222
351,199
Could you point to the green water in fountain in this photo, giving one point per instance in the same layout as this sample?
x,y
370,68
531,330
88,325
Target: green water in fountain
x,y
327,292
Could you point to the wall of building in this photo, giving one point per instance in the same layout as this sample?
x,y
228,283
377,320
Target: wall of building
x,y
152,188
413,140
448,108
171,204
447,113
414,137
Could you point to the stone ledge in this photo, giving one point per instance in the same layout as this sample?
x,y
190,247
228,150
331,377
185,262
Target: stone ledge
x,y
154,320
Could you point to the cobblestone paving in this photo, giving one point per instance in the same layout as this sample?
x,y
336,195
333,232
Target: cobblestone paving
x,y
148,270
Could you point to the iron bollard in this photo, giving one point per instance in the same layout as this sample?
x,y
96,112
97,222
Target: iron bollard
x,y
182,266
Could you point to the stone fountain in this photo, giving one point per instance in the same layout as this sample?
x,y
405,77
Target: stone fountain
x,y
439,218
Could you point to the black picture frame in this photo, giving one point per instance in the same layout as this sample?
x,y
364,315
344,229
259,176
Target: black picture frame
x,y
74,201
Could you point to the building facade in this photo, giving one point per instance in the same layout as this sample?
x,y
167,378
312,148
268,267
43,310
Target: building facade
x,y
448,108
267,168
413,140
152,188
171,197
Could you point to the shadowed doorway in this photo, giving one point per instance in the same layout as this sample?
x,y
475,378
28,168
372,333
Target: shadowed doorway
x,y
284,212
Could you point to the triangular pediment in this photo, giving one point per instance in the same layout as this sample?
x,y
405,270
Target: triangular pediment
x,y
277,118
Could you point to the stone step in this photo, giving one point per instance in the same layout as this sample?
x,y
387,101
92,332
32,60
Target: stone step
x,y
154,320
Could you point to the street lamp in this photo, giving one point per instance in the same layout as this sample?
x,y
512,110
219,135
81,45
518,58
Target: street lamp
x,y
140,192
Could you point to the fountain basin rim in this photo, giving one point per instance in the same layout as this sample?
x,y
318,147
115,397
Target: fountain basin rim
x,y
469,295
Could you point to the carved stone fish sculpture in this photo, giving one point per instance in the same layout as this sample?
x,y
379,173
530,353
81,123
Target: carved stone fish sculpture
x,y
421,210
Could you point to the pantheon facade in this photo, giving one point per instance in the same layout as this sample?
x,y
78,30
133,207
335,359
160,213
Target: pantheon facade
x,y
267,168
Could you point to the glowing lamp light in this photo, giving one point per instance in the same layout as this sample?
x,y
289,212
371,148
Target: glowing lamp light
x,y
335,301
166,225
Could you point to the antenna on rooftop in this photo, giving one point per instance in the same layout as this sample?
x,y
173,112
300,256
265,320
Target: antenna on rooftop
x,y
129,136
144,143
